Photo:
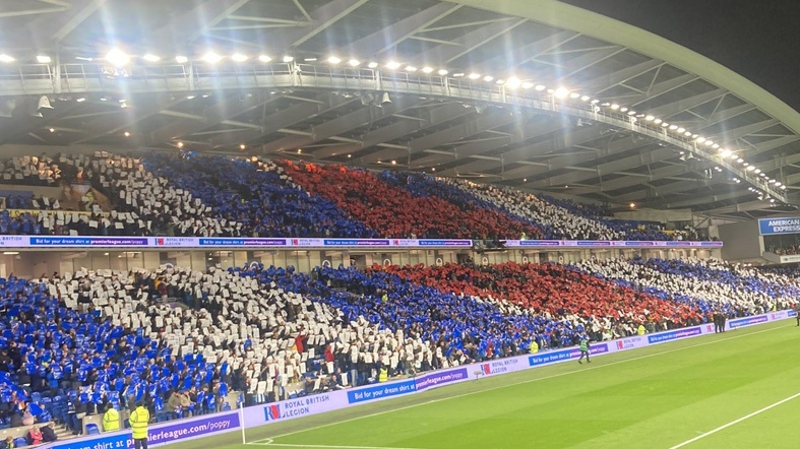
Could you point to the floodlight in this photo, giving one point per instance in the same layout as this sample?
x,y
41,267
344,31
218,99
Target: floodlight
x,y
117,57
392,65
334,60
354,62
151,57
372,65
181,59
513,82
264,58
211,57
474,76
44,59
238,57
427,69
442,72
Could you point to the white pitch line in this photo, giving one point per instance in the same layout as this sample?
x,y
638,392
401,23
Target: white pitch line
x,y
517,383
335,447
734,422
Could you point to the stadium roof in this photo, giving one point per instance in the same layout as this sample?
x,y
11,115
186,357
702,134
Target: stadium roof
x,y
550,97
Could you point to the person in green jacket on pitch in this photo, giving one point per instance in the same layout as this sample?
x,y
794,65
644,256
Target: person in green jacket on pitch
x,y
584,349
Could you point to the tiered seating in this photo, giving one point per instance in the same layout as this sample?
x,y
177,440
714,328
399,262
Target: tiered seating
x,y
708,285
557,290
398,214
258,196
184,194
560,222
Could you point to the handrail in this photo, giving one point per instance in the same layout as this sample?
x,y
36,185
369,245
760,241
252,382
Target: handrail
x,y
87,78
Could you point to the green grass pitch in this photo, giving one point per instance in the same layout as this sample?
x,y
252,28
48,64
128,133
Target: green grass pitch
x,y
740,389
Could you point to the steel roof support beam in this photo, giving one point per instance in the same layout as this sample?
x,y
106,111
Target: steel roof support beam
x,y
606,82
742,207
125,118
321,18
430,117
656,90
282,119
452,134
367,114
540,126
389,37
207,15
525,53
211,116
558,142
668,110
474,39
608,168
731,135
704,200
577,65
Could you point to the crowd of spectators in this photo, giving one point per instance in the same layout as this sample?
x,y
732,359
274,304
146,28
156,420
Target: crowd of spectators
x,y
184,194
396,213
707,285
558,222
182,340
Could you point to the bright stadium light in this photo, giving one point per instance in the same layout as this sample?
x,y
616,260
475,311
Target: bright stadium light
x,y
540,87
211,57
151,57
238,57
474,76
334,60
513,82
649,118
264,58
288,58
442,72
117,57
488,78
354,62
44,59
181,59
561,92
392,65
615,106
427,69
410,68
372,65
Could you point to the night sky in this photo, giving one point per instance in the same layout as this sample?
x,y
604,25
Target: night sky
x,y
759,39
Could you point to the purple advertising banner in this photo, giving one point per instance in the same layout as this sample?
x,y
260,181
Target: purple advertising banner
x,y
184,430
436,379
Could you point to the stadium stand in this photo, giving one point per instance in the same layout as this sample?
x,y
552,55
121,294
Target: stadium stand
x,y
188,342
188,195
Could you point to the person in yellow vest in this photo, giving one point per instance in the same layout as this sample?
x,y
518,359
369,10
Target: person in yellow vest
x,y
111,419
534,347
384,375
641,330
139,420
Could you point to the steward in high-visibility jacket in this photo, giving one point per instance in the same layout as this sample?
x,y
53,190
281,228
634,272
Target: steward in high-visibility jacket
x,y
641,330
384,375
111,420
139,420
534,347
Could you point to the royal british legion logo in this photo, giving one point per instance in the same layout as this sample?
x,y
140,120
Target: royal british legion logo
x,y
487,369
272,412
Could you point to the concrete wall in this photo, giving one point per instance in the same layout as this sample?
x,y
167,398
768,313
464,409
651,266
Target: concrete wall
x,y
742,241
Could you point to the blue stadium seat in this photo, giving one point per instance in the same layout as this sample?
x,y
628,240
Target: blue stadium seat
x,y
92,429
